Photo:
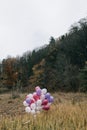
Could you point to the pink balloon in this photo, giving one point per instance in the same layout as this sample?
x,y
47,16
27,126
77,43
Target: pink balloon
x,y
36,88
36,97
29,96
42,97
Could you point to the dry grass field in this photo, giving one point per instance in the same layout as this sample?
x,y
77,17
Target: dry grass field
x,y
68,112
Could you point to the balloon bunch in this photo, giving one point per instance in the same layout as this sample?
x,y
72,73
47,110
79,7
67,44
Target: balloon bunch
x,y
39,100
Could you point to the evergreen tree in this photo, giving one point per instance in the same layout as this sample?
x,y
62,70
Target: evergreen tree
x,y
83,79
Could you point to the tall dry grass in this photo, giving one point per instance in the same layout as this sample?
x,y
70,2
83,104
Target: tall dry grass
x,y
63,115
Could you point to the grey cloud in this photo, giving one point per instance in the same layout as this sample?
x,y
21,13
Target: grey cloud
x,y
27,24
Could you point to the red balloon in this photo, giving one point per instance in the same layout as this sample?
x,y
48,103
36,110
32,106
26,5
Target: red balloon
x,y
46,107
45,102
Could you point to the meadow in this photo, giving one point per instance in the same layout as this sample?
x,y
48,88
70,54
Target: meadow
x,y
68,112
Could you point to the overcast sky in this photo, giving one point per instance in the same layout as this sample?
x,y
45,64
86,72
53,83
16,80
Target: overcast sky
x,y
28,24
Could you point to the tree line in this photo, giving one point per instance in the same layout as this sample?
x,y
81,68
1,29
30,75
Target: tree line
x,y
60,65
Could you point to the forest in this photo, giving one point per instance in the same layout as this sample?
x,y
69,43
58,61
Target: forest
x,y
60,65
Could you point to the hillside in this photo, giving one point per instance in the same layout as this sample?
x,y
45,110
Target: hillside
x,y
59,66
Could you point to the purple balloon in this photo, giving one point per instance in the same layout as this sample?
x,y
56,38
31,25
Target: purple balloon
x,y
38,92
47,96
28,100
51,99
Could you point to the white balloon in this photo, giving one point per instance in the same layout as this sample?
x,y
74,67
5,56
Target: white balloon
x,y
39,108
44,91
33,111
49,103
25,103
33,106
27,109
39,102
